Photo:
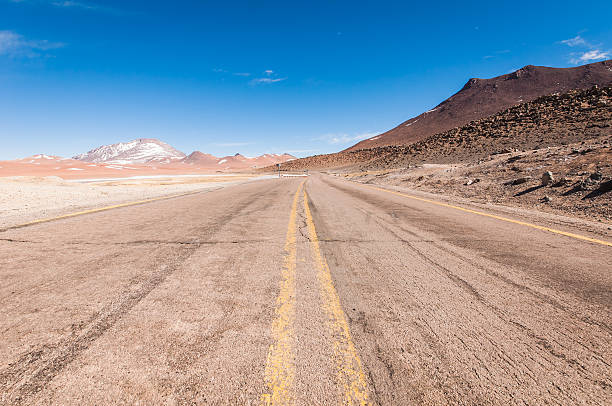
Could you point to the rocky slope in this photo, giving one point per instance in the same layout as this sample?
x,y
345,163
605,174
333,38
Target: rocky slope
x,y
483,97
554,120
571,179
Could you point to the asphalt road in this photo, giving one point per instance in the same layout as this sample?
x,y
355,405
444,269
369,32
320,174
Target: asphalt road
x,y
308,291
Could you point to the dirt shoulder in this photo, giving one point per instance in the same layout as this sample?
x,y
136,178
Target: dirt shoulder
x,y
581,183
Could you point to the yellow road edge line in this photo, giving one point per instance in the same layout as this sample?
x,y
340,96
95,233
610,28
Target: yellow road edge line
x,y
349,368
80,213
523,223
280,368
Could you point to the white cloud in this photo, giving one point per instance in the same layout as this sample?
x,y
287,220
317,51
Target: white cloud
x,y
268,77
336,139
594,55
577,40
14,44
267,80
589,56
70,4
75,4
590,52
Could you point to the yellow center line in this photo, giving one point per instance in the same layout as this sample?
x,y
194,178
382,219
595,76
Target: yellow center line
x,y
80,213
280,368
349,369
480,213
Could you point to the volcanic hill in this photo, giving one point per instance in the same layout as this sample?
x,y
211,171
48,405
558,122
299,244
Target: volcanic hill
x,y
480,98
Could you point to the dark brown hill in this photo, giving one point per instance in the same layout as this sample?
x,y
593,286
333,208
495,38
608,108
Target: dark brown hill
x,y
481,98
573,117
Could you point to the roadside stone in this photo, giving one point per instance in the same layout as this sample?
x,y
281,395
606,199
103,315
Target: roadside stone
x,y
606,186
518,181
547,178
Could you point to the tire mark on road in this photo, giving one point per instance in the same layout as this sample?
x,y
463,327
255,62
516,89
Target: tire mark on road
x,y
471,290
30,374
538,340
418,238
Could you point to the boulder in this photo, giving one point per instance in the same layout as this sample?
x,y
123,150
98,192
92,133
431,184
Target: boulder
x,y
547,178
518,181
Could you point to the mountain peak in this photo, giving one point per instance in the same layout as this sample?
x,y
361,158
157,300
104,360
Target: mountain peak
x,y
481,98
471,83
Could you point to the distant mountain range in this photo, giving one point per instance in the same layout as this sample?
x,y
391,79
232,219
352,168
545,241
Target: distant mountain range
x,y
237,161
153,151
481,98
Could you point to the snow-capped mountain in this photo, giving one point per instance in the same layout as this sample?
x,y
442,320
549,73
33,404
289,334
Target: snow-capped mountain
x,y
142,150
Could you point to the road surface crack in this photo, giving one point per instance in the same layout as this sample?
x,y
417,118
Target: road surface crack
x,y
31,372
21,241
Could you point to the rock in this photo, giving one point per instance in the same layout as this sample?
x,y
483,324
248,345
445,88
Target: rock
x,y
605,186
518,181
547,178
596,176
471,181
546,199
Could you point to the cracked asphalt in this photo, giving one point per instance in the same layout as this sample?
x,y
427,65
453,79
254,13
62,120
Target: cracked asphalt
x,y
303,291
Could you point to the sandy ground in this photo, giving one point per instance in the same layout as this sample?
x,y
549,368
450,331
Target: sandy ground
x,y
24,199
345,294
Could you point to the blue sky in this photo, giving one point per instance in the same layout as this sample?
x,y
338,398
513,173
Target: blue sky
x,y
255,76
